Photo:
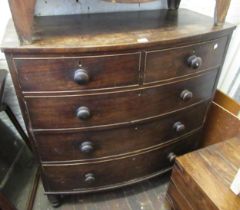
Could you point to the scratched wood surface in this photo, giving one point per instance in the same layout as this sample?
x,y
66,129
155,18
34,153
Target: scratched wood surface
x,y
148,195
112,31
203,178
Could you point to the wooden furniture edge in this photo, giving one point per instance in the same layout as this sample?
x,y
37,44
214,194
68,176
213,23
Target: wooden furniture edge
x,y
222,122
227,103
23,15
221,10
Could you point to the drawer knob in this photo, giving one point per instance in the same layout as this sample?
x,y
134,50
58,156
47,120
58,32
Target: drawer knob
x,y
86,147
83,113
171,157
186,95
81,76
179,127
194,62
89,178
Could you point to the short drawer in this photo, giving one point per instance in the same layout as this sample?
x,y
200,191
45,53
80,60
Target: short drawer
x,y
182,61
52,112
66,146
78,73
116,172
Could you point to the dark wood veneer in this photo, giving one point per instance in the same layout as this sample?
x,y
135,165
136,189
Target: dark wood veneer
x,y
66,146
116,31
100,122
172,63
60,112
57,74
70,177
25,22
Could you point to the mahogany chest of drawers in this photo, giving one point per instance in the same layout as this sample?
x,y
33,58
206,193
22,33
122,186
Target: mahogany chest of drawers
x,y
113,105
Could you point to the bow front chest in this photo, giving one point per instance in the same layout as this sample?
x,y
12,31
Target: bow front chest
x,y
111,99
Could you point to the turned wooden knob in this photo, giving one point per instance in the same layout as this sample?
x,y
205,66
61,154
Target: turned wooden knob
x,y
89,178
194,62
179,127
171,157
86,147
81,76
83,113
186,95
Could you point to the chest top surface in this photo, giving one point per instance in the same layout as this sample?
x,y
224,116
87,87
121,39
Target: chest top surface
x,y
111,31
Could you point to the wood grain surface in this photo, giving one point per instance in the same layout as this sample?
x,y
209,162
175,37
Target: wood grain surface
x,y
29,30
227,103
221,10
104,71
223,120
204,177
60,115
172,63
65,146
108,174
23,16
117,108
112,31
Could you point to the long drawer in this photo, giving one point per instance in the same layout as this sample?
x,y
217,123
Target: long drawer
x,y
182,61
78,73
92,145
73,111
115,172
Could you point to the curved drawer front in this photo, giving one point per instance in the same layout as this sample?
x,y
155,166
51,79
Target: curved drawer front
x,y
80,177
189,60
119,141
78,73
122,107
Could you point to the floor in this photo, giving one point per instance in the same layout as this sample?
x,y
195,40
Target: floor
x,y
16,161
148,195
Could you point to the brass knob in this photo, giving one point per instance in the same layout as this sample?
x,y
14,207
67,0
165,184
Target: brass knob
x,y
186,95
194,62
178,127
83,113
89,178
171,157
81,76
86,147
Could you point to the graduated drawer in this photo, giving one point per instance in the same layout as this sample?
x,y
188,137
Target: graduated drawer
x,y
65,146
116,172
181,61
52,112
78,73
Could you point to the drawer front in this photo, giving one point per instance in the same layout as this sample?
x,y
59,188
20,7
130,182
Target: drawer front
x,y
78,73
122,107
172,63
80,177
101,144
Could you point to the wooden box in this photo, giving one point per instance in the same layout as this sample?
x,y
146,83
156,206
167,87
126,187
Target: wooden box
x,y
202,179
